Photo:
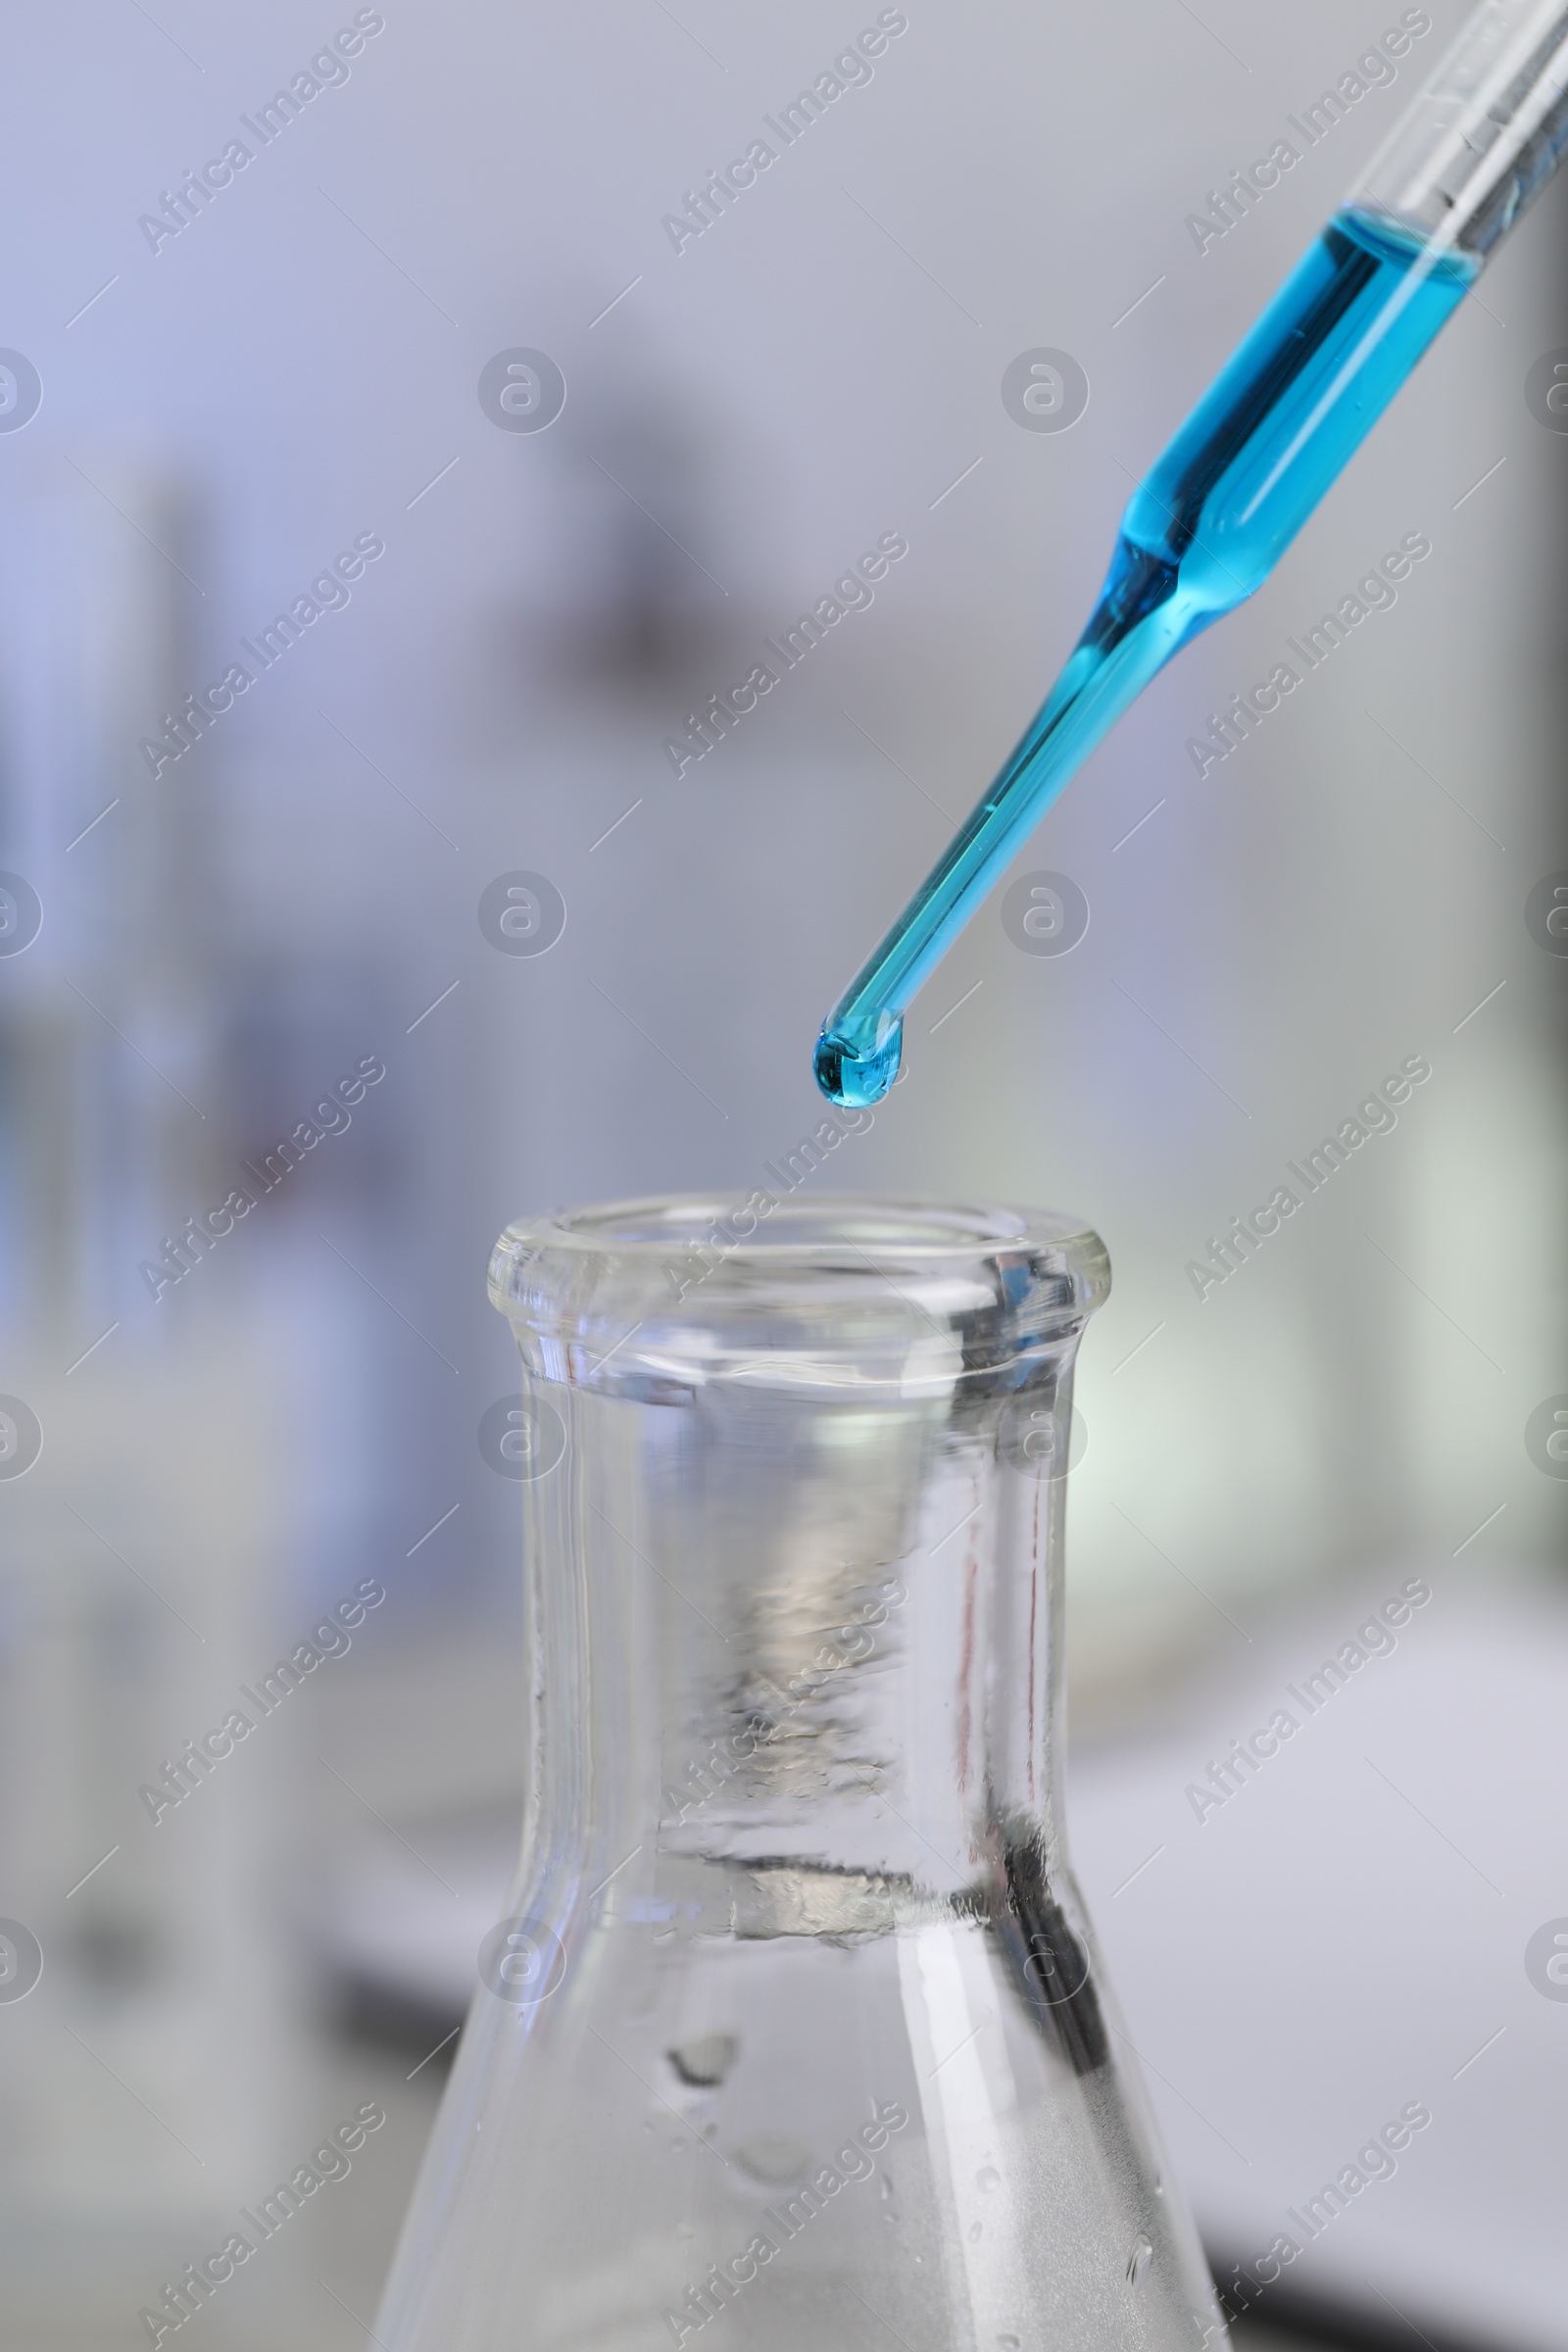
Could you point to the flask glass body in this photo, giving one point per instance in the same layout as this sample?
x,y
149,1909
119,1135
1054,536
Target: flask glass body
x,y
794,2031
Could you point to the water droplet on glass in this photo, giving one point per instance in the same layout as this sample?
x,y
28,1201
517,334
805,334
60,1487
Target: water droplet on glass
x,y
1009,2343
684,2230
989,2177
1137,2260
701,2064
1160,2184
976,2232
884,2188
773,2161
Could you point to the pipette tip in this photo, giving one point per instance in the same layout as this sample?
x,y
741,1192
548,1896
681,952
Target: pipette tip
x,y
848,1077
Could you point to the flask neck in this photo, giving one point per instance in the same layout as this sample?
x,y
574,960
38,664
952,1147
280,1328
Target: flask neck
x,y
799,1657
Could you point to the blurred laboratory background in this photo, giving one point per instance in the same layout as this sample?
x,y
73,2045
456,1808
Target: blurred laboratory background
x,y
268,270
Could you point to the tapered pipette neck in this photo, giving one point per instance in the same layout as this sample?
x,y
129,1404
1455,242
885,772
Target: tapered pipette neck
x,y
1131,633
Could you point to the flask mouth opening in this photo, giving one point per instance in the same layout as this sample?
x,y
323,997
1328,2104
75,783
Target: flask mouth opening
x,y
832,1289
827,1225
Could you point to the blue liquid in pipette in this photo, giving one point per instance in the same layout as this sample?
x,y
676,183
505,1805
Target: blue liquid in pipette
x,y
1205,527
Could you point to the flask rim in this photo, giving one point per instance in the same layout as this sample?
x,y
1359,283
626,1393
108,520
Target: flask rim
x,y
702,1275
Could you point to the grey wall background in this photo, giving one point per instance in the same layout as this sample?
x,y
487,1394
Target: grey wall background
x,y
298,366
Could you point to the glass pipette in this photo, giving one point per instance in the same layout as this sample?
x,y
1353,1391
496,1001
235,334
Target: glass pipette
x,y
1275,428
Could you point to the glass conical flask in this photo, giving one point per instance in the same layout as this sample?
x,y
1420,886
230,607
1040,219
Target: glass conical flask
x,y
794,2034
